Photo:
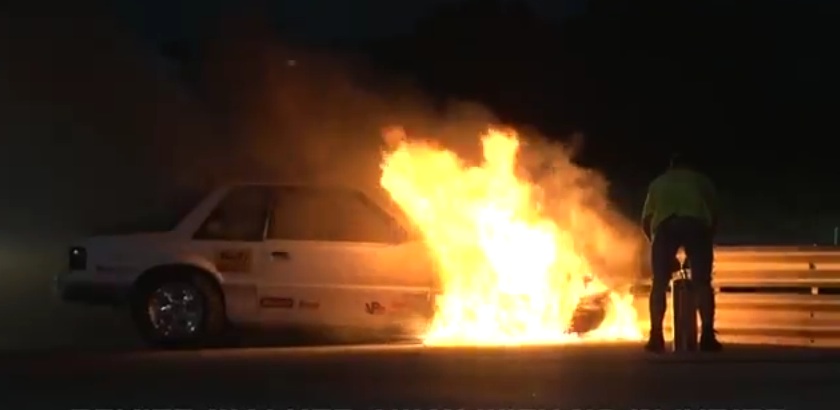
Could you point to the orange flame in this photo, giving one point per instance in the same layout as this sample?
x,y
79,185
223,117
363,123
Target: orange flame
x,y
510,275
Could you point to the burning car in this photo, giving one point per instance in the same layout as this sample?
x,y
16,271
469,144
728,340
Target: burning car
x,y
267,256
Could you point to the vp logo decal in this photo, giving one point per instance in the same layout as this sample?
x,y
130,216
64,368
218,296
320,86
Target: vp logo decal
x,y
374,308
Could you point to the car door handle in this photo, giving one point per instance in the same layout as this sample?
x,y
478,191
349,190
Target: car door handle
x,y
280,255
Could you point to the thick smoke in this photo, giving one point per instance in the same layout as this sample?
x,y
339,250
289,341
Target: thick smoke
x,y
304,115
577,199
110,132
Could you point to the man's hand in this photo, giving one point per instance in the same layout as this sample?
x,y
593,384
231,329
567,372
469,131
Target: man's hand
x,y
676,265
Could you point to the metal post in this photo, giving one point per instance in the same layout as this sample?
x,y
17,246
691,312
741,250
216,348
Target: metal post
x,y
685,314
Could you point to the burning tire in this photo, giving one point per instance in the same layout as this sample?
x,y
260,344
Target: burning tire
x,y
590,313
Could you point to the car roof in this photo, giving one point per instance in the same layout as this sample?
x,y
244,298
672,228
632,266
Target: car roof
x,y
291,185
383,202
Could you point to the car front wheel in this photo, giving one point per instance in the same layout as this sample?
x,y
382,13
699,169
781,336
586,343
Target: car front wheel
x,y
179,312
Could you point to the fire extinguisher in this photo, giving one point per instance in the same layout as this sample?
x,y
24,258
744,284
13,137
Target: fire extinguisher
x,y
685,311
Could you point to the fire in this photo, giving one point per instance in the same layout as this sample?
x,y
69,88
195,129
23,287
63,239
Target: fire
x,y
510,275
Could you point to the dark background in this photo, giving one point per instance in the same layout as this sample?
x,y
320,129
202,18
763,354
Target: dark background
x,y
110,109
109,105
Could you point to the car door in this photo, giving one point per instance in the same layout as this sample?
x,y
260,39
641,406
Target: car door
x,y
337,260
231,237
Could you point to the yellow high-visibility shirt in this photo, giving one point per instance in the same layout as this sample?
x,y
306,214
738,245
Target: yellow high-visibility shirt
x,y
680,192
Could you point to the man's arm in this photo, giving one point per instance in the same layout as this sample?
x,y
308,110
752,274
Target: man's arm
x,y
647,214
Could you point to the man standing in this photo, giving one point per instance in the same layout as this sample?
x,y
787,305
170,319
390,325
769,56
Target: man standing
x,y
680,211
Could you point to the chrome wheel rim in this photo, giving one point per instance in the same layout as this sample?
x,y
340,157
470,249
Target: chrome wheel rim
x,y
176,310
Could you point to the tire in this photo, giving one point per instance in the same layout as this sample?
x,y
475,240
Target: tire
x,y
589,314
195,319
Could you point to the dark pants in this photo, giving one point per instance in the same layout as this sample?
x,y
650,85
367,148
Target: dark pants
x,y
695,237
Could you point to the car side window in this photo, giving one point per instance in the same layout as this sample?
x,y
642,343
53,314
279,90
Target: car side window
x,y
373,223
298,214
333,215
239,216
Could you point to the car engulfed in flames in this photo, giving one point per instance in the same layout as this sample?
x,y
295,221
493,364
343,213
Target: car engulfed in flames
x,y
515,267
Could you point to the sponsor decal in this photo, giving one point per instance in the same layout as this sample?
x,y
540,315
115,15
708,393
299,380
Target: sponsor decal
x,y
308,304
282,303
234,260
413,304
374,308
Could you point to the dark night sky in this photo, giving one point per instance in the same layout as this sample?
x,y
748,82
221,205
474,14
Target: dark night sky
x,y
319,19
751,87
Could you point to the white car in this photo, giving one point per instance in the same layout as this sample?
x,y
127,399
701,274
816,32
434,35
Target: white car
x,y
264,255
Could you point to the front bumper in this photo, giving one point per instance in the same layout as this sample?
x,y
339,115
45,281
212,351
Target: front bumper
x,y
84,288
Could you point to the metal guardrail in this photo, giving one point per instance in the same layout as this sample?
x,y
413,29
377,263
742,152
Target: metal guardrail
x,y
774,295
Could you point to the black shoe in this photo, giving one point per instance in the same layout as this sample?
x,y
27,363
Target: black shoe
x,y
655,344
709,342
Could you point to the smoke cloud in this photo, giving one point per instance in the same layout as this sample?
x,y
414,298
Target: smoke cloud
x,y
111,132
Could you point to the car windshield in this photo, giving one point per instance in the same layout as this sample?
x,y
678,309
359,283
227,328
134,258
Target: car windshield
x,y
162,216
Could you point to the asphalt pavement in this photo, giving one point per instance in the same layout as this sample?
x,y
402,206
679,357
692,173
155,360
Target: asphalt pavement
x,y
417,377
56,356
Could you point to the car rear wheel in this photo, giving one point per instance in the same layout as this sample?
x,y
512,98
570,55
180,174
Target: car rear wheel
x,y
179,311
